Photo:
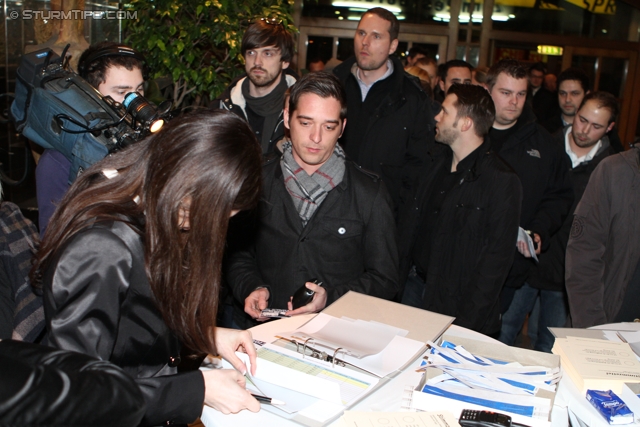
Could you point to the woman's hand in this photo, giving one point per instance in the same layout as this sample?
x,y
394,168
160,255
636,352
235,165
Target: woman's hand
x,y
228,341
224,390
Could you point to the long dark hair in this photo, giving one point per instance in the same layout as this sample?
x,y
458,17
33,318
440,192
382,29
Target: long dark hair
x,y
211,156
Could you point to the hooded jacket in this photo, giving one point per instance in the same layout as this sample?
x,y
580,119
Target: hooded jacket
x,y
604,244
233,100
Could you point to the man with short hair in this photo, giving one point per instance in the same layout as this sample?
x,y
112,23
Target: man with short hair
x,y
540,164
458,236
602,260
114,70
258,97
316,64
542,100
415,53
320,217
573,85
455,71
390,117
586,144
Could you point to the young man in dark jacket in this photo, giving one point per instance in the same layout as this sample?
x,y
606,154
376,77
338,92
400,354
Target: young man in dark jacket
x,y
258,97
541,165
586,144
390,116
320,217
459,232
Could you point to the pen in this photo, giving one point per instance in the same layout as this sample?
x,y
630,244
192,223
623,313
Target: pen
x,y
265,399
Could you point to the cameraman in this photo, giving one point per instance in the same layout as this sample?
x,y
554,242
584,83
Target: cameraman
x,y
114,70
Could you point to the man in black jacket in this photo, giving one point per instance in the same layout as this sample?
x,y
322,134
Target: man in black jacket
x,y
320,217
543,101
573,85
541,165
459,233
258,97
586,144
390,116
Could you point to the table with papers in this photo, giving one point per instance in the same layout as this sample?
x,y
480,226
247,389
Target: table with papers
x,y
387,398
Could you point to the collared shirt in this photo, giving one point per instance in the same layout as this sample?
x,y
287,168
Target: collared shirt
x,y
364,88
575,160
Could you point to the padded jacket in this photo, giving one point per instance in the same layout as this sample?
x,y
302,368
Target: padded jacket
x,y
98,301
547,193
44,386
473,240
349,243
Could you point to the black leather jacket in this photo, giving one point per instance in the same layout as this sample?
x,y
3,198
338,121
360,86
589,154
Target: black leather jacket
x,y
43,386
98,301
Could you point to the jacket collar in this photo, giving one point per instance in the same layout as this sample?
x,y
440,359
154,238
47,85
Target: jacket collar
x,y
238,99
343,71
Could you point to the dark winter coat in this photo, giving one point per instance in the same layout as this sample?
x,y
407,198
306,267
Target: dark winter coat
x,y
391,131
549,273
350,243
547,193
474,240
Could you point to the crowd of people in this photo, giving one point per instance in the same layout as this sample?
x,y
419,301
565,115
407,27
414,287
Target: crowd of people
x,y
420,187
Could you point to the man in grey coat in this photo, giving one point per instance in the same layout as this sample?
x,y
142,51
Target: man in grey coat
x,y
604,246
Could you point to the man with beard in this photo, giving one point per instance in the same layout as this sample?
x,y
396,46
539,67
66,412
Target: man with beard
x,y
586,143
459,232
258,97
390,116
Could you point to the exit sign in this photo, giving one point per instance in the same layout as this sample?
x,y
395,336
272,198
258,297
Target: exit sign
x,y
550,50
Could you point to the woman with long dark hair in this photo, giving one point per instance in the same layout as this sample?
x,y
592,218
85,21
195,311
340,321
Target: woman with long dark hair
x,y
130,264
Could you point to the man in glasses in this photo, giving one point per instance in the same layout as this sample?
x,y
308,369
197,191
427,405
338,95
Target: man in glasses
x,y
258,97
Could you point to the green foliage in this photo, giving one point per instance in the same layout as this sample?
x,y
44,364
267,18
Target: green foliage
x,y
197,42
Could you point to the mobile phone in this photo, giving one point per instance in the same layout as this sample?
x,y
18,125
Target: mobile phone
x,y
304,296
473,418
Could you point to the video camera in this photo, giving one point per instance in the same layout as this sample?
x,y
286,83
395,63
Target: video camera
x,y
58,109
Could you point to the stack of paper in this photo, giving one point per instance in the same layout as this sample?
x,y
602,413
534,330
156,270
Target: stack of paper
x,y
597,364
517,382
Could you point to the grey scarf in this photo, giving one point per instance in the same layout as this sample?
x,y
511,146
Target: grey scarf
x,y
308,192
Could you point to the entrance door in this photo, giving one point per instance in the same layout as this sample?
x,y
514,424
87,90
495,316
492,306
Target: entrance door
x,y
616,72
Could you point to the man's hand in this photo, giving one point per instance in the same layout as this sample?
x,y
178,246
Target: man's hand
x,y
523,248
257,301
318,303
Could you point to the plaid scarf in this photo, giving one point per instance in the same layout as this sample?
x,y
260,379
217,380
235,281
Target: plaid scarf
x,y
18,241
308,192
